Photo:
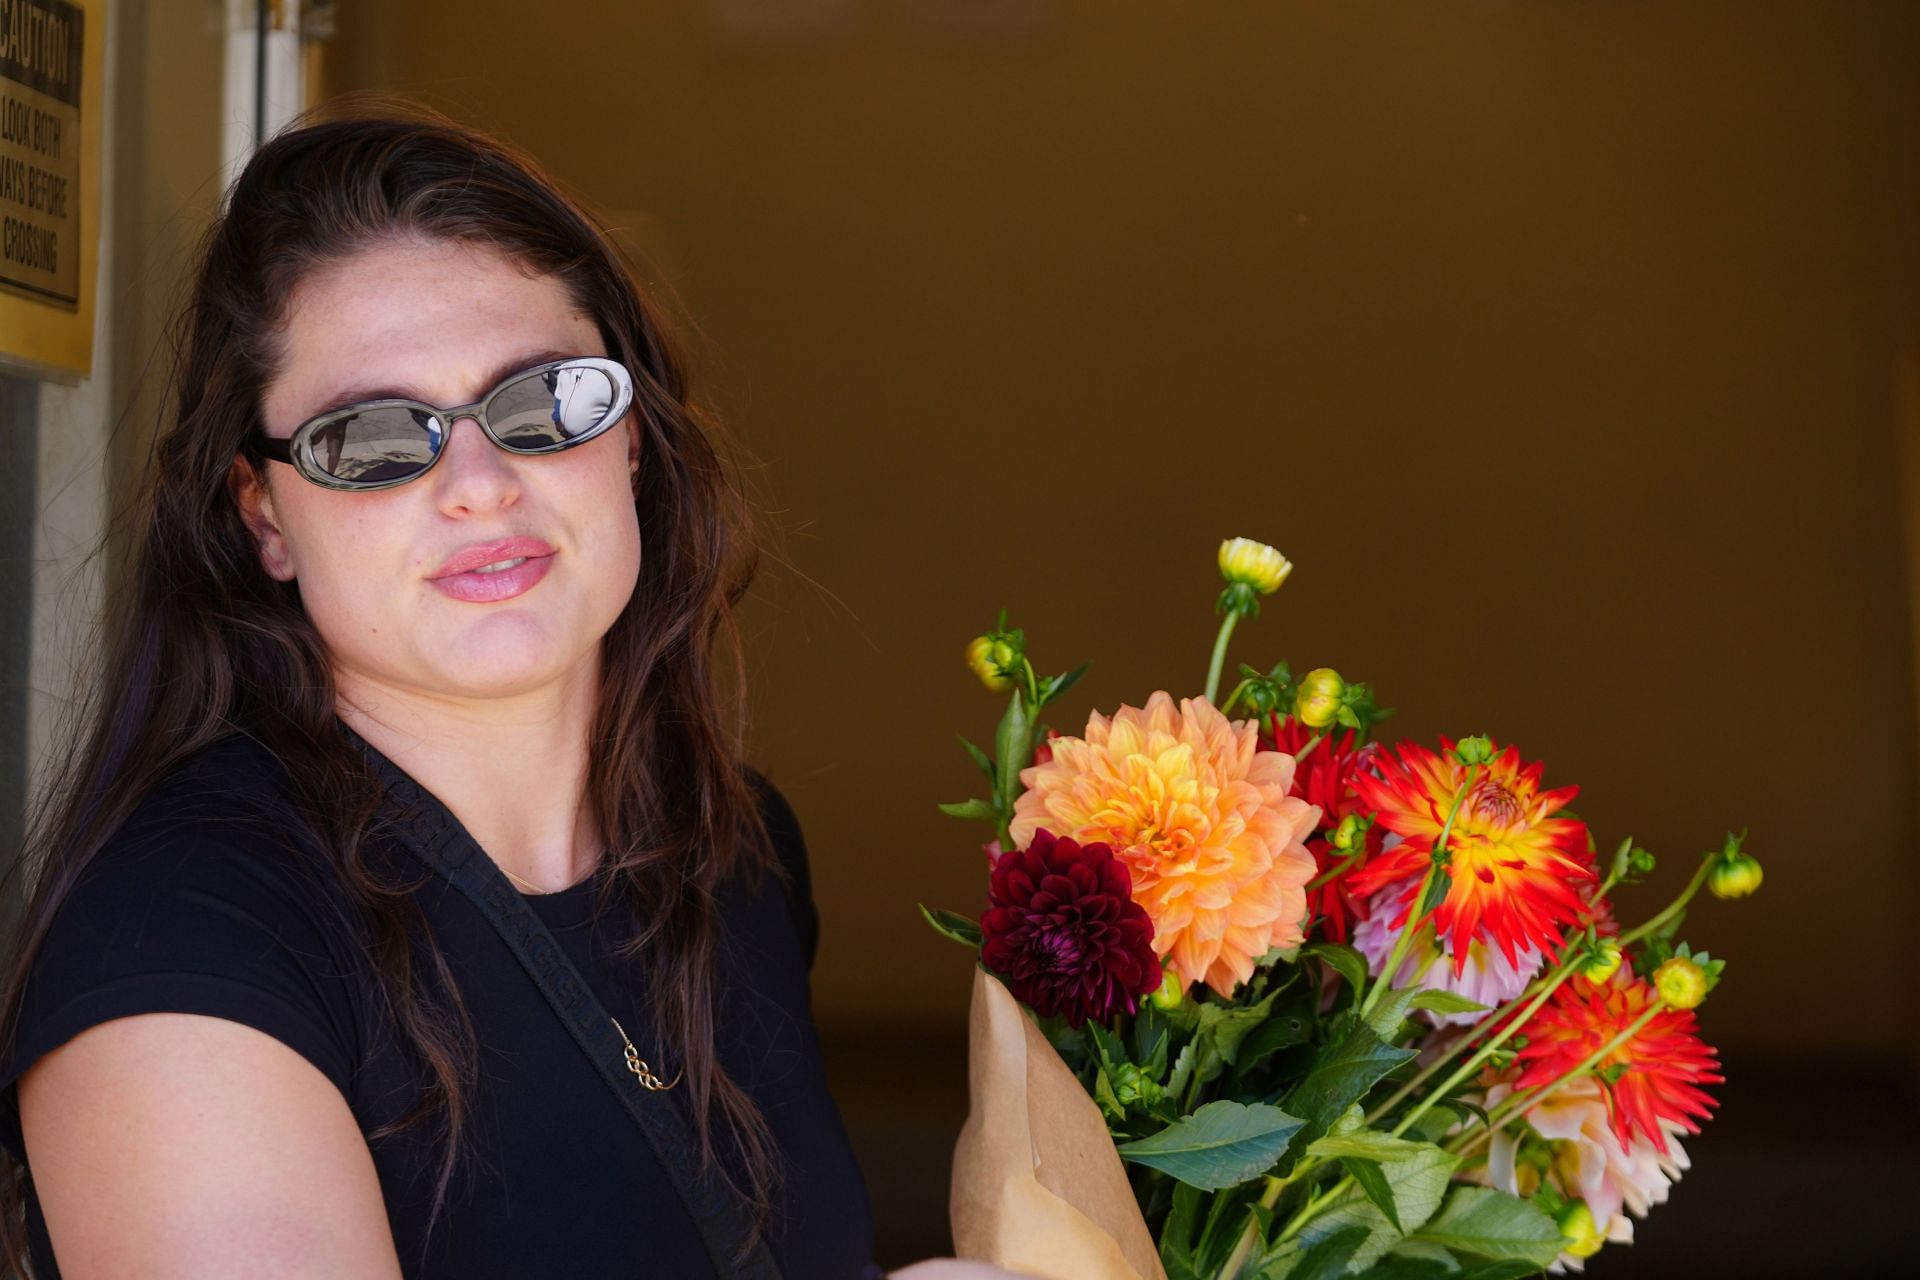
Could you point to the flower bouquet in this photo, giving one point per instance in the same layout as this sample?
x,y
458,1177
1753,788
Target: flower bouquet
x,y
1271,998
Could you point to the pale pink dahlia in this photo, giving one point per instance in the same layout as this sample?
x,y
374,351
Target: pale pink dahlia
x,y
1589,1162
1202,818
1487,978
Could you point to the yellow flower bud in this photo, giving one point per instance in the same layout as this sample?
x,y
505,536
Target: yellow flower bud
x,y
991,660
1349,833
1254,563
1583,1235
1316,699
1681,983
1601,967
1735,876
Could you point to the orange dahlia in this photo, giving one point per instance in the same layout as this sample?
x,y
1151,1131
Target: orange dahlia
x,y
1655,1076
1203,820
1519,874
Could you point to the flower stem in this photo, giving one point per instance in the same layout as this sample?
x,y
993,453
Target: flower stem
x,y
1674,908
1335,871
1226,708
1555,977
1220,652
1487,1050
1307,750
1390,971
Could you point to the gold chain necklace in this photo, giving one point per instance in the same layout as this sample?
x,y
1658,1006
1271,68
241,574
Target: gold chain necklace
x,y
635,1063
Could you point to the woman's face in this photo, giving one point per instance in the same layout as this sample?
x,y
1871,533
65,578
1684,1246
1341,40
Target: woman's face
x,y
442,322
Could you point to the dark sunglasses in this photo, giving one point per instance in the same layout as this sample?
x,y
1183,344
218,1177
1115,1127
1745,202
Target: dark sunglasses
x,y
383,443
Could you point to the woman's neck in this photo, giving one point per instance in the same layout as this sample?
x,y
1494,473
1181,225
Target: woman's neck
x,y
512,770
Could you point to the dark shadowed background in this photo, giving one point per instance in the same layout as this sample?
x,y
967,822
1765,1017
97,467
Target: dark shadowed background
x,y
1570,350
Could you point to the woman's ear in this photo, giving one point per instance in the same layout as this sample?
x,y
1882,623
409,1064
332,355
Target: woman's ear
x,y
633,452
255,501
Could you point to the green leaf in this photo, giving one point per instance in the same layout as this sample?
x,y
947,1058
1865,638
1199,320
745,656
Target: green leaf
x,y
1436,1122
1176,1237
1183,1065
951,924
1053,686
1221,1145
1447,1002
1013,748
1491,1224
1346,961
1323,1260
1364,1144
973,810
1415,1186
1368,1176
1342,1073
1428,1252
1281,1031
1391,1012
1221,1030
1152,1037
980,757
1436,894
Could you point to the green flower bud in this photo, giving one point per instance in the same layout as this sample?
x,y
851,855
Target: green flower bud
x,y
1253,564
1734,876
1316,701
1583,1235
1351,833
1605,959
1171,991
1475,750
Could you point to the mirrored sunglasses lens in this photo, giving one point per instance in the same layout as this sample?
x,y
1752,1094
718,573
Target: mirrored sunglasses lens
x,y
377,446
552,410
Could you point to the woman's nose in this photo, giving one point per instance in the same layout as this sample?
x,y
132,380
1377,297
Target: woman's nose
x,y
474,473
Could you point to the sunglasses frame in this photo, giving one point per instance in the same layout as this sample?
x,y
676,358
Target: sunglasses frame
x,y
297,449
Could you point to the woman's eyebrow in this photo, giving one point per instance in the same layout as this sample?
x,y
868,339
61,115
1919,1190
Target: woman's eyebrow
x,y
370,391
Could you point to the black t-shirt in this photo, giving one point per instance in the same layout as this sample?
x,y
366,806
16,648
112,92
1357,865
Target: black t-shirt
x,y
210,901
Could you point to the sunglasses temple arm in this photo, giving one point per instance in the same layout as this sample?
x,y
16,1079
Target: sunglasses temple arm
x,y
273,448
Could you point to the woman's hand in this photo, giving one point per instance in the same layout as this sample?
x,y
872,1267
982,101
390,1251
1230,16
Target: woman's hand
x,y
955,1269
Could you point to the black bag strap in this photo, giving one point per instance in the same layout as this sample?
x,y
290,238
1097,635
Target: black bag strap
x,y
437,838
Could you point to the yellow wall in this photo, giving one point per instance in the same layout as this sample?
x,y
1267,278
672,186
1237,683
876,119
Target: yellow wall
x,y
1556,343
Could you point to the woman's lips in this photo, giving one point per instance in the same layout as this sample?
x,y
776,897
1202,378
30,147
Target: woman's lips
x,y
502,584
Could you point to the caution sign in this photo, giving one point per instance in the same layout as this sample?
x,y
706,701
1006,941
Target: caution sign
x,y
41,42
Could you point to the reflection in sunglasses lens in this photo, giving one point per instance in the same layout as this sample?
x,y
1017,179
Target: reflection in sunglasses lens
x,y
377,445
553,409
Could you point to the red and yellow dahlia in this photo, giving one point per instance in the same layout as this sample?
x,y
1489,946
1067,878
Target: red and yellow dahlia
x,y
1519,874
1657,1074
1203,820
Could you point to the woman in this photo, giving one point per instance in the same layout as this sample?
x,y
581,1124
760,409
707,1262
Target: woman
x,y
374,655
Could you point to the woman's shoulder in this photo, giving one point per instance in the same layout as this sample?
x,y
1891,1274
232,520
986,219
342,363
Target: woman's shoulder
x,y
208,899
219,821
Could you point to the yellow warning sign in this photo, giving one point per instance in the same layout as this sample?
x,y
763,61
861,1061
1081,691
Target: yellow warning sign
x,y
40,45
49,160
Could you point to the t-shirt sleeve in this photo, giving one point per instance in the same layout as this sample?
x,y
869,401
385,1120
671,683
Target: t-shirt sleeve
x,y
790,846
202,919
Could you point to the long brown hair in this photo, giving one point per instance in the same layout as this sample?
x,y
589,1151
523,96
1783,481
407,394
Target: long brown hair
x,y
203,643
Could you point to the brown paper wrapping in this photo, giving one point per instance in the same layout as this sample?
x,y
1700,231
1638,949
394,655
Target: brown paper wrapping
x,y
1037,1185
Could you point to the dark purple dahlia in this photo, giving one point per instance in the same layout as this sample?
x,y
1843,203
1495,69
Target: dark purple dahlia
x,y
1064,933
